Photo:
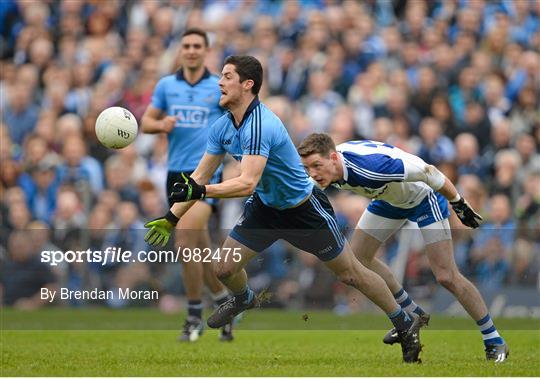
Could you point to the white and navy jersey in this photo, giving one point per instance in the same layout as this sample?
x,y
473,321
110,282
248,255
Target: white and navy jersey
x,y
384,172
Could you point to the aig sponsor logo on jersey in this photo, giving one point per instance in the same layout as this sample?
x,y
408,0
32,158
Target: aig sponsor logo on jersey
x,y
191,116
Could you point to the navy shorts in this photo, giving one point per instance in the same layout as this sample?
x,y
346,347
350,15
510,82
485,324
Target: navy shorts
x,y
432,209
311,226
176,176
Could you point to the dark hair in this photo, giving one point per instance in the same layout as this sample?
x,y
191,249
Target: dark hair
x,y
197,31
247,67
317,143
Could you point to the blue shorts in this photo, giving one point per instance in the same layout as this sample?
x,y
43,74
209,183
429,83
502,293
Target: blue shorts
x,y
433,208
176,176
311,226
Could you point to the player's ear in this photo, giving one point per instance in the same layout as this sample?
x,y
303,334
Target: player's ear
x,y
248,83
333,156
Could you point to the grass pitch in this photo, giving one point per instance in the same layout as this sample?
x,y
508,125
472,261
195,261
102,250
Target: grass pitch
x,y
268,343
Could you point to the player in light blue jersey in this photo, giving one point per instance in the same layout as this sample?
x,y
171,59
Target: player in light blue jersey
x,y
184,105
403,187
284,204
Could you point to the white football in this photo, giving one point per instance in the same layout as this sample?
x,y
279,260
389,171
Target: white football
x,y
116,127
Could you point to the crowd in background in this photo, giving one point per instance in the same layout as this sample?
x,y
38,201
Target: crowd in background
x,y
455,82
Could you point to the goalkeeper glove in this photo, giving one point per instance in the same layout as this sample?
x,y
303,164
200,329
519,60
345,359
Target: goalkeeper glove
x,y
466,214
186,191
160,229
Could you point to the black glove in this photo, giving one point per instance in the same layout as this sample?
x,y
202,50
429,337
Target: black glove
x,y
187,191
466,214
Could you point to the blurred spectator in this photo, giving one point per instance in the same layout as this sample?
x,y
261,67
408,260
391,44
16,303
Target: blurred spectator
x,y
507,163
20,114
467,156
69,218
321,102
41,185
23,275
493,243
454,81
79,168
436,148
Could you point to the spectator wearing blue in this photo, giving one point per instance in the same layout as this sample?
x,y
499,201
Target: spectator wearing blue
x,y
493,243
436,148
21,114
40,186
79,167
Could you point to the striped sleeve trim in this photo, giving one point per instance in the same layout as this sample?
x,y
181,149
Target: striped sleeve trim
x,y
256,132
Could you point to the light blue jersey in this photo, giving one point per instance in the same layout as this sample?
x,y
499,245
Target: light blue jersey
x,y
284,182
195,107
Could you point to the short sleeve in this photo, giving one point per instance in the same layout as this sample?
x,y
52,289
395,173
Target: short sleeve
x,y
258,136
158,97
213,144
374,170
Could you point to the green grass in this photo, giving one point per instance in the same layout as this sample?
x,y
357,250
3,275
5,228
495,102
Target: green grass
x,y
270,343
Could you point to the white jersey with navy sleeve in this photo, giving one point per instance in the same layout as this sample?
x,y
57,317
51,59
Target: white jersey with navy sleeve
x,y
384,172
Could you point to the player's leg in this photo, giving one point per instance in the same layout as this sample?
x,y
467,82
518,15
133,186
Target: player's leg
x,y
350,271
365,247
219,293
251,234
440,253
188,236
371,231
233,257
325,240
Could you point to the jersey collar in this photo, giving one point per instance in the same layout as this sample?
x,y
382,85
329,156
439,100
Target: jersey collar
x,y
180,76
249,109
345,171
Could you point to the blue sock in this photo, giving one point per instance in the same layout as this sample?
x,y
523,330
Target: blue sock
x,y
405,302
245,296
489,331
400,319
195,308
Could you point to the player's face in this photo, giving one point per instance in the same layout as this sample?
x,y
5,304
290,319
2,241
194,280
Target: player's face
x,y
321,169
230,86
193,51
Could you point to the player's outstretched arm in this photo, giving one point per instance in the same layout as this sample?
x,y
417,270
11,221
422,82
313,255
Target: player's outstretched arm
x,y
161,228
418,170
251,168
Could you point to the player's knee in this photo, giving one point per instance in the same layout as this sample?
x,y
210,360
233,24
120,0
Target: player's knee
x,y
366,260
446,279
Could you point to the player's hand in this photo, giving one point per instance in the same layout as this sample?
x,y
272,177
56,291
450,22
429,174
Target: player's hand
x,y
160,229
466,214
167,124
187,190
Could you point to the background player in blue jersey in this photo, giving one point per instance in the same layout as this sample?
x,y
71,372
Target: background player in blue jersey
x,y
404,188
283,204
184,105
